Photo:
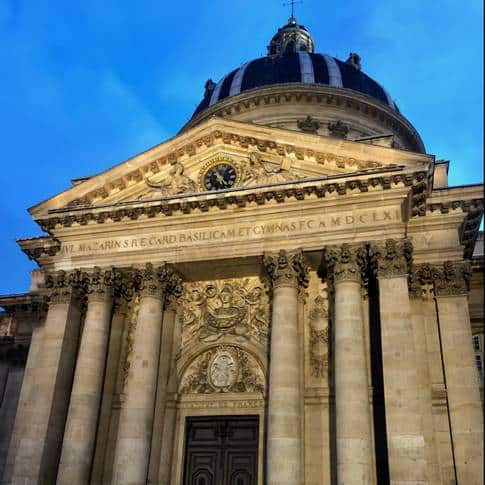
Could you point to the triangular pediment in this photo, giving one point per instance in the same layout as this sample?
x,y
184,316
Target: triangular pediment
x,y
222,154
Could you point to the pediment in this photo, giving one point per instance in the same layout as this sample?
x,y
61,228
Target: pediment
x,y
258,155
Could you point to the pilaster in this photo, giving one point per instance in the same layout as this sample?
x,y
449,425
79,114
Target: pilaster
x,y
405,438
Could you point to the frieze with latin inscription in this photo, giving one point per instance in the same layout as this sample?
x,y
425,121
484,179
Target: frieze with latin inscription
x,y
231,232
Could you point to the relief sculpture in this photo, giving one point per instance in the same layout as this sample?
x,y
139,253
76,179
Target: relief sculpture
x,y
212,310
223,369
176,182
318,334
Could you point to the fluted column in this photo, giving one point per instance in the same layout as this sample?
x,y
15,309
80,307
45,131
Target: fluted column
x,y
352,407
461,377
405,438
82,418
137,414
287,271
39,444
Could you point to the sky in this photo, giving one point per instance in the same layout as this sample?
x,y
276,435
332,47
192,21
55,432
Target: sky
x,y
88,84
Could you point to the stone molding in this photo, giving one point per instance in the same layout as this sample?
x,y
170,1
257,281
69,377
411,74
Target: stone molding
x,y
313,95
392,258
346,262
447,279
286,268
368,179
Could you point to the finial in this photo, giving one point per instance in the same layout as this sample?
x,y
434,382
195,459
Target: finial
x,y
292,4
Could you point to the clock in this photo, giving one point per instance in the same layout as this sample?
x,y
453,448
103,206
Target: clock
x,y
220,173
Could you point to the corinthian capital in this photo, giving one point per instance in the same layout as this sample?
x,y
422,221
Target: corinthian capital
x,y
452,279
99,284
158,281
64,286
392,258
286,268
345,262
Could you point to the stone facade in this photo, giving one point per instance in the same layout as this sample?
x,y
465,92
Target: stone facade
x,y
325,287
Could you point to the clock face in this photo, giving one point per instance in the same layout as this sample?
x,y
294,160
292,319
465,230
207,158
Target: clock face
x,y
220,176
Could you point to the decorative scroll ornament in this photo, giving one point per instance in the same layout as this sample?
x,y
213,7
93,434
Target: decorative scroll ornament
x,y
338,129
175,183
318,319
223,369
309,125
259,173
345,262
287,268
64,286
453,279
228,307
393,258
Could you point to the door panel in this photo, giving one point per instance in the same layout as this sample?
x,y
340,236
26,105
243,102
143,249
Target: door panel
x,y
221,450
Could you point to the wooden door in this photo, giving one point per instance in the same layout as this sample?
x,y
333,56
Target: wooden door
x,y
221,450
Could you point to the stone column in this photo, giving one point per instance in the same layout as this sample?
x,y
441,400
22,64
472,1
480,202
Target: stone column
x,y
352,407
80,434
39,444
137,414
405,438
461,377
287,271
23,410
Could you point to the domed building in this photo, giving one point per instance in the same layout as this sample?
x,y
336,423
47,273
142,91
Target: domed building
x,y
286,292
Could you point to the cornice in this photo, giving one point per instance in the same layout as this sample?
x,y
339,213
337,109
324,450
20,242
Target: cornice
x,y
312,94
338,185
352,156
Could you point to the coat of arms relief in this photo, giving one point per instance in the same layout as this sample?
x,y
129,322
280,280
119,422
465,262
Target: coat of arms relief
x,y
224,317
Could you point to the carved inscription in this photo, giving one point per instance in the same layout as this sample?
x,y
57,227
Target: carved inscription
x,y
231,232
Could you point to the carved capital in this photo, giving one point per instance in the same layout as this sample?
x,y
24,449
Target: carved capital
x,y
286,268
158,281
391,258
64,286
421,279
99,284
345,262
453,279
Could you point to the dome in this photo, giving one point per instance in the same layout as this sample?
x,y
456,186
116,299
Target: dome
x,y
295,88
295,67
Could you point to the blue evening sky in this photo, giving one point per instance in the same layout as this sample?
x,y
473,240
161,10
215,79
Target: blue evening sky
x,y
87,84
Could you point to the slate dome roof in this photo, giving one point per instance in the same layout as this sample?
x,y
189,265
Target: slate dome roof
x,y
294,67
291,59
